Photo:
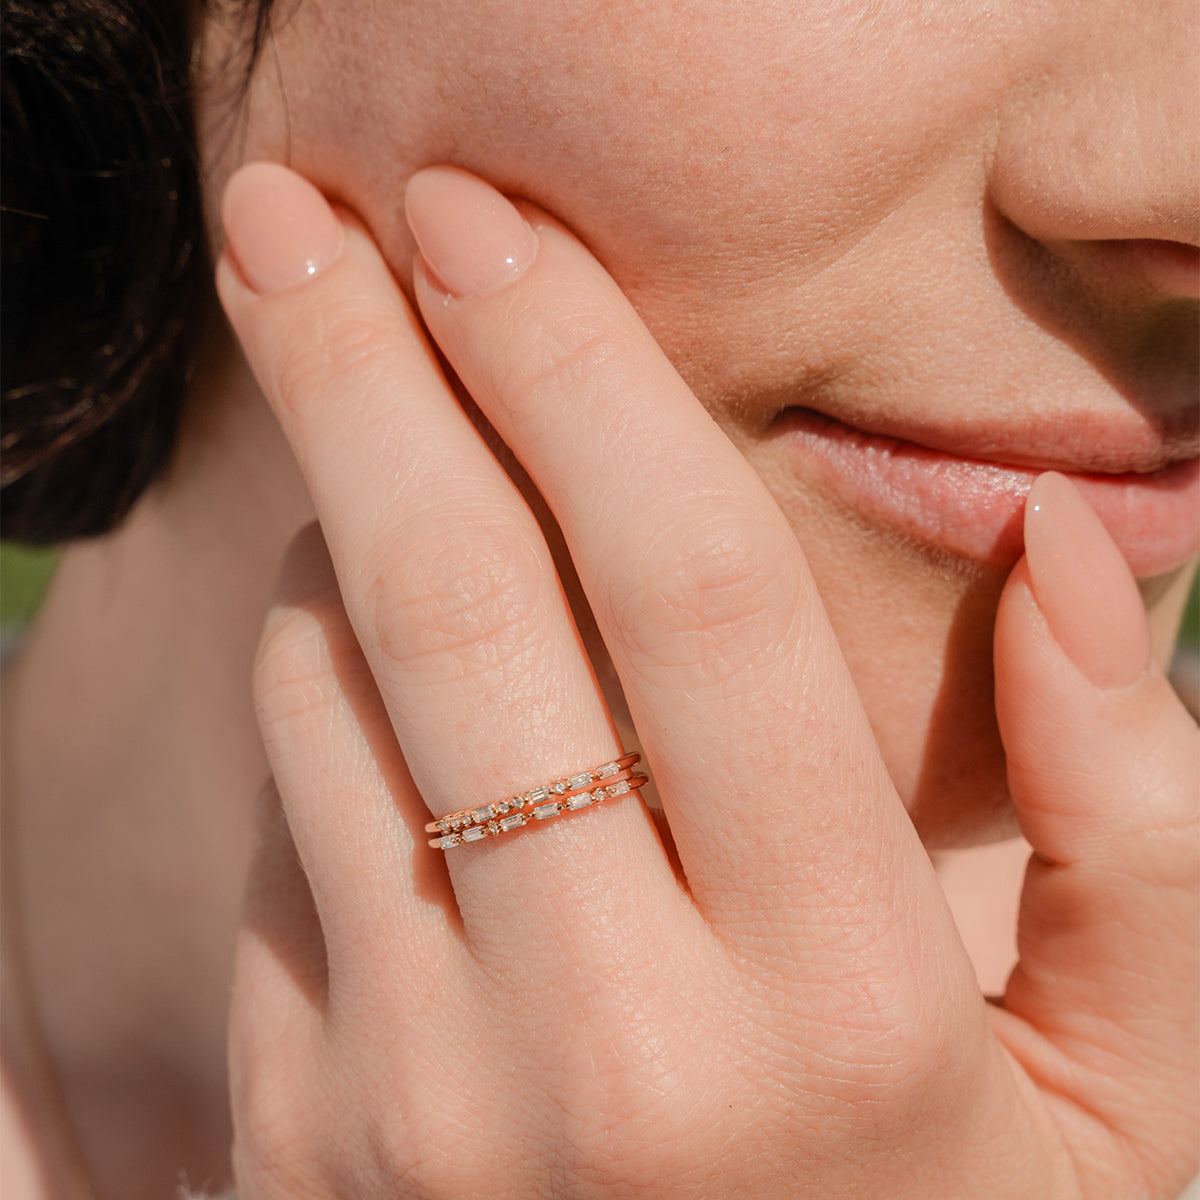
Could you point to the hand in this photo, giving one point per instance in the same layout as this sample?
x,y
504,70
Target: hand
x,y
779,1005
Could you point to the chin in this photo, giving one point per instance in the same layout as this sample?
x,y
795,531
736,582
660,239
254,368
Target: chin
x,y
955,787
915,627
915,622
935,722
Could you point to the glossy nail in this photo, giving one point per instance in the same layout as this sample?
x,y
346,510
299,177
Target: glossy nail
x,y
472,239
1083,586
281,230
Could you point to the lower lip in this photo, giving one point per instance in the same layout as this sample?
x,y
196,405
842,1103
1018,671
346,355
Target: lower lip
x,y
974,509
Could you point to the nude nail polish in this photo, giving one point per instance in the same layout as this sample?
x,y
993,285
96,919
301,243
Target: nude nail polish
x,y
281,230
472,239
1083,586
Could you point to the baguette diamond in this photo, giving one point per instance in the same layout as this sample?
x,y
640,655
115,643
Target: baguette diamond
x,y
577,791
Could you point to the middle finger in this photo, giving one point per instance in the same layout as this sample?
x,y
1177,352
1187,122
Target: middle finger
x,y
759,742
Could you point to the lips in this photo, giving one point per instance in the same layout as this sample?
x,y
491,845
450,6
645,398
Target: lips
x,y
966,496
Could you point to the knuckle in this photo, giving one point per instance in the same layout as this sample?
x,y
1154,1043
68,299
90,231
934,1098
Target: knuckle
x,y
429,1145
624,1076
327,345
412,1154
299,657
266,1157
724,585
609,1153
574,354
466,603
273,1146
889,1049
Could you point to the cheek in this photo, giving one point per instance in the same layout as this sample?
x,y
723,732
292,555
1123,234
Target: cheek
x,y
705,159
664,135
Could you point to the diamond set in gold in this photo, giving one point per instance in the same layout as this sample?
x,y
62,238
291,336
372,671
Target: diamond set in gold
x,y
568,794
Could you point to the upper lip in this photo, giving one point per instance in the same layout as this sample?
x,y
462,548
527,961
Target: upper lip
x,y
1075,443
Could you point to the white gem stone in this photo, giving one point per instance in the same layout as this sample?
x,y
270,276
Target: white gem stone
x,y
559,787
538,793
547,810
605,771
482,814
451,839
513,822
618,789
580,801
578,781
474,833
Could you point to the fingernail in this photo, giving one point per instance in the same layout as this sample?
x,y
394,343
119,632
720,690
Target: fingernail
x,y
1083,586
472,239
281,230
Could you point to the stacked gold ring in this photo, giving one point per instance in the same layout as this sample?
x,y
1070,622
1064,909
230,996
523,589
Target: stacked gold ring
x,y
570,793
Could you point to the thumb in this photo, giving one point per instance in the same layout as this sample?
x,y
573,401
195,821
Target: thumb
x,y
1104,769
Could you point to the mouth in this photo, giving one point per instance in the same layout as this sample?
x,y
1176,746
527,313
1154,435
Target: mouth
x,y
969,500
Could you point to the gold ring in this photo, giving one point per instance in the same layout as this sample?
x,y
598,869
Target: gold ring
x,y
571,793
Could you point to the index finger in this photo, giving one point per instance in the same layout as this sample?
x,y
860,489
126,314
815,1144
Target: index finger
x,y
767,766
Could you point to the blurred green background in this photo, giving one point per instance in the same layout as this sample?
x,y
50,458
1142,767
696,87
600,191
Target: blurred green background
x,y
24,573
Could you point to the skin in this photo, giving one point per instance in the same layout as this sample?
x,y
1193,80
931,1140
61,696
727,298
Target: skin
x,y
819,251
727,1039
773,252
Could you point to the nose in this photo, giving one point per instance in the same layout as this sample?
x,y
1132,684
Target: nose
x,y
1101,144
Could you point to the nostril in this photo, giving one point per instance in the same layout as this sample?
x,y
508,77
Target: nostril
x,y
1172,268
1137,269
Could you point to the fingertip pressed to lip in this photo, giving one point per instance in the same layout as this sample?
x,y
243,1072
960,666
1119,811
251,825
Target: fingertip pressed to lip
x,y
1083,585
472,239
281,230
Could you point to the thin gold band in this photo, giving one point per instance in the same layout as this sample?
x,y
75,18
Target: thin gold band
x,y
570,793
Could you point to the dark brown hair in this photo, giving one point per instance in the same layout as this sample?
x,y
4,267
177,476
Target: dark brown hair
x,y
105,271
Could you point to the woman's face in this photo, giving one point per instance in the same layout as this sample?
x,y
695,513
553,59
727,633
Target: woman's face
x,y
967,225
